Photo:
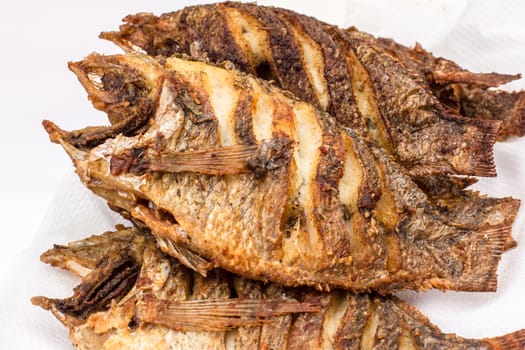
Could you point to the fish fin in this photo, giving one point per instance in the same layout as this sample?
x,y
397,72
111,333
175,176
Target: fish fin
x,y
480,79
184,255
483,145
80,257
226,160
478,153
48,305
55,133
483,255
118,39
494,104
172,239
168,229
506,233
216,315
511,341
472,211
112,279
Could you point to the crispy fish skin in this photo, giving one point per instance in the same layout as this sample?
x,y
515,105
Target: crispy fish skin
x,y
309,203
384,100
476,102
342,321
461,91
416,120
467,208
439,70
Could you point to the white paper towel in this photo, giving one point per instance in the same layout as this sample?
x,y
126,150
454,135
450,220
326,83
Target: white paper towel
x,y
479,35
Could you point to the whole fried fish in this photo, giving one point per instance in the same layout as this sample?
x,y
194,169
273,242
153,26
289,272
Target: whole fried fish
x,y
164,305
132,296
226,167
344,72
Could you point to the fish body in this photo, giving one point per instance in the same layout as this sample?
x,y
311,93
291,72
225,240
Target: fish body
x,y
383,96
229,168
169,306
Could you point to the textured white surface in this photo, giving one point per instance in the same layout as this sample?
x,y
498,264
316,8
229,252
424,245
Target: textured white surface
x,y
43,202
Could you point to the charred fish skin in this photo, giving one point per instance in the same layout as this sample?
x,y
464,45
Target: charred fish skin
x,y
438,71
414,118
461,91
476,102
401,117
164,288
308,203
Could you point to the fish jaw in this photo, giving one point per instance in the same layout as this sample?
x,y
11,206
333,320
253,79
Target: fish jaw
x,y
120,85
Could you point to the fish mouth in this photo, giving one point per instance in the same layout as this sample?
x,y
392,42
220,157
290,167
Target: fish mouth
x,y
125,91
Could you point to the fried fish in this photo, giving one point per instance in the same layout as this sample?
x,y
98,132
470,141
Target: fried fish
x,y
344,72
164,305
223,166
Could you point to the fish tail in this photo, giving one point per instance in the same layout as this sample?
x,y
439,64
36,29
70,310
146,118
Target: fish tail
x,y
511,341
482,257
483,147
520,116
510,242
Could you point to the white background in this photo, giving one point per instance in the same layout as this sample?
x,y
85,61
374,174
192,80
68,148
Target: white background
x,y
42,202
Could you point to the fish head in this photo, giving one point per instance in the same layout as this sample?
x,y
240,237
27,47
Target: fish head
x,y
120,85
145,32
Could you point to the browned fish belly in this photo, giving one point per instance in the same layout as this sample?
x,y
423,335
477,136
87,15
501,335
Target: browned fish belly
x,y
386,92
224,166
133,296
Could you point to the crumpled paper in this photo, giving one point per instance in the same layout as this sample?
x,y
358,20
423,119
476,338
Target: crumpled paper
x,y
479,35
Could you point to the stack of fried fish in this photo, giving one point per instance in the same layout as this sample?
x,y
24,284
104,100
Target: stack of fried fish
x,y
284,177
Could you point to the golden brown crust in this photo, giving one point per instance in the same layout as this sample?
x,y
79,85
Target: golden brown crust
x,y
350,330
464,92
276,334
243,122
413,117
307,329
329,218
438,70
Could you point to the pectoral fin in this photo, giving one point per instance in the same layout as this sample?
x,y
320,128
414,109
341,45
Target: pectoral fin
x,y
216,315
226,160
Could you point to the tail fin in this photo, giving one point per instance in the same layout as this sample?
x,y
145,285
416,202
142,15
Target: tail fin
x,y
511,341
482,147
483,253
519,116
